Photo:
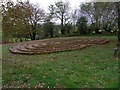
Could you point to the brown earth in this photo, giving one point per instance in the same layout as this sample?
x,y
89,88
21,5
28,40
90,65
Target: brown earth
x,y
55,45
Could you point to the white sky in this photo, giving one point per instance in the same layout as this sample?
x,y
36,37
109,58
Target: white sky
x,y
73,3
45,3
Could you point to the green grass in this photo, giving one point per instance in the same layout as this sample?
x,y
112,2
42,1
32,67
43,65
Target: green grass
x,y
93,36
93,67
0,34
0,59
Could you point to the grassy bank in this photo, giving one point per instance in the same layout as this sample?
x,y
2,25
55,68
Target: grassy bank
x,y
93,67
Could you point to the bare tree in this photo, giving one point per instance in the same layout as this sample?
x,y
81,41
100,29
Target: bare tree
x,y
102,15
36,17
60,11
74,16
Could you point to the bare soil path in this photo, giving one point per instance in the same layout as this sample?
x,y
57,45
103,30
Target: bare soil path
x,y
54,45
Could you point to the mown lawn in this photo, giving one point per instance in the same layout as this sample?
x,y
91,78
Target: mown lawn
x,y
0,34
93,67
0,58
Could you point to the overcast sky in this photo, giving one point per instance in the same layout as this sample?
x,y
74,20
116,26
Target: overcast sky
x,y
46,3
73,3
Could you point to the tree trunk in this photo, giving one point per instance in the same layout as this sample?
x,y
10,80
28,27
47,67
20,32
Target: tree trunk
x,y
119,23
68,31
62,27
119,29
96,30
34,35
25,39
118,45
34,31
31,36
51,33
20,39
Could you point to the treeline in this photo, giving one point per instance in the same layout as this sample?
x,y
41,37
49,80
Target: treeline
x,y
24,20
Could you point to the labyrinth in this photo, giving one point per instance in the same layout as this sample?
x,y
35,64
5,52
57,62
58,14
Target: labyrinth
x,y
55,45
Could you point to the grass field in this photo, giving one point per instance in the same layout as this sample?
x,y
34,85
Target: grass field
x,y
93,67
0,34
0,59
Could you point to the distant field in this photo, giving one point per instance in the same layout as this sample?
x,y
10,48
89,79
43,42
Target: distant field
x,y
93,67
